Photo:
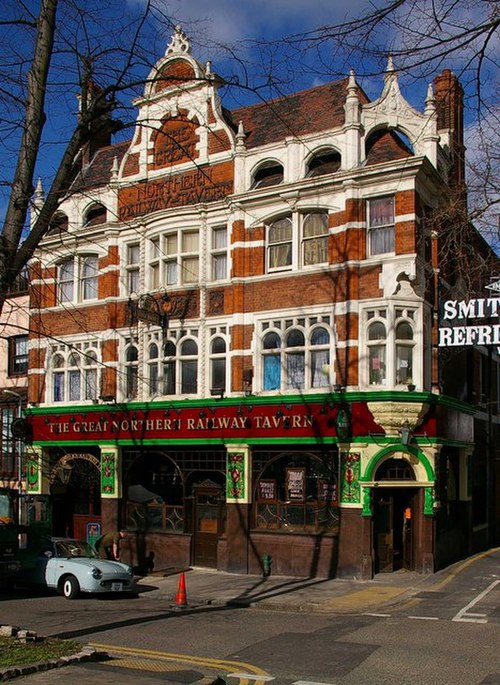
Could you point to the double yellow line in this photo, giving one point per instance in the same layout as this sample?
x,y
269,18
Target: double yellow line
x,y
245,672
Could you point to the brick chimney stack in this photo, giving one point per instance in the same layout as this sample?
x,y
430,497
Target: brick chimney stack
x,y
450,110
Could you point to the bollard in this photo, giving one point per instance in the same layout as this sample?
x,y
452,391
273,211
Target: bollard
x,y
267,560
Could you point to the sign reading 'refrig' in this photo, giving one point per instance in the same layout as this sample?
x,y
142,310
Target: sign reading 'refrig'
x,y
475,322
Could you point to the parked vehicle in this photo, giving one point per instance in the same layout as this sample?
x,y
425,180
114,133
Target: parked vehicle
x,y
73,566
9,542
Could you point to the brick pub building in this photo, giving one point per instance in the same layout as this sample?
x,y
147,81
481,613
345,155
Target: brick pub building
x,y
233,338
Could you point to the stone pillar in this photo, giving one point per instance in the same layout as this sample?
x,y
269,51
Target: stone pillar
x,y
111,488
353,546
37,470
238,500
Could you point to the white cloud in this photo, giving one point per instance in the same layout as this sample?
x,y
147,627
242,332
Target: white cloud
x,y
230,21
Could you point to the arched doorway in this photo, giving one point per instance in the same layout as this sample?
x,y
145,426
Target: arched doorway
x,y
76,496
395,511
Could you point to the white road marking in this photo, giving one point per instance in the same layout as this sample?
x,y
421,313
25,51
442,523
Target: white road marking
x,y
377,615
464,615
251,676
425,618
309,682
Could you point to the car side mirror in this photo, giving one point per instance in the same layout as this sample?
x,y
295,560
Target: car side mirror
x,y
48,554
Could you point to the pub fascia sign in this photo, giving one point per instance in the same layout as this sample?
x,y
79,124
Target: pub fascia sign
x,y
472,322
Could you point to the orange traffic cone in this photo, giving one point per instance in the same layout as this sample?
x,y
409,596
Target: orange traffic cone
x,y
181,598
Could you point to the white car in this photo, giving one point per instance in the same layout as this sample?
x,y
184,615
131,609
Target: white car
x,y
73,566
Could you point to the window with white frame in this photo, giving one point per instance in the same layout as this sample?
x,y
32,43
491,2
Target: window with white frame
x,y
74,372
377,349
381,225
66,280
296,353
133,256
391,343
131,370
174,258
218,363
219,253
173,364
297,241
154,263
77,278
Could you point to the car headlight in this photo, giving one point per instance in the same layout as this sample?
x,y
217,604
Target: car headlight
x,y
130,571
96,573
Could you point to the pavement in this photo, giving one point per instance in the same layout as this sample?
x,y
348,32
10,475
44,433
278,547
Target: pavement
x,y
195,587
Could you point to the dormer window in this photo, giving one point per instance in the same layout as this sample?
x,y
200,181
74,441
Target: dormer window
x,y
268,174
324,162
58,224
95,215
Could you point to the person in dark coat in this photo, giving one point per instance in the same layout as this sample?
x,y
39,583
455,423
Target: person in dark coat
x,y
108,545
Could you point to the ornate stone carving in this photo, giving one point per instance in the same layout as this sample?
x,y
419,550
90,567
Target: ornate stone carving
x,y
392,415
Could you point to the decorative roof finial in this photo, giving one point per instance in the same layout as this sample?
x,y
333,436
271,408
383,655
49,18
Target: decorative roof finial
x,y
430,101
240,137
114,170
178,43
39,192
352,81
390,63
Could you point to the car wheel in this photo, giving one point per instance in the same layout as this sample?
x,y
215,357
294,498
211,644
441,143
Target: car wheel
x,y
70,587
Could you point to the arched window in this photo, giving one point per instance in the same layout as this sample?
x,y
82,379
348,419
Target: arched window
x,y
296,354
295,359
404,352
58,378
279,238
298,492
58,224
268,174
315,238
320,358
90,371
154,494
271,353
95,215
323,162
218,351
75,373
169,368
188,359
131,372
377,353
153,369
394,469
297,241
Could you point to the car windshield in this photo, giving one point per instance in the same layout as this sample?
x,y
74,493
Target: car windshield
x,y
74,548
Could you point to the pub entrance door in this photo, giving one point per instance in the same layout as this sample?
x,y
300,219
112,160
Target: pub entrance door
x,y
394,541
208,522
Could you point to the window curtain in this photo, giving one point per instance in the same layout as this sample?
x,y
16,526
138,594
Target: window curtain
x,y
295,370
272,372
319,359
74,385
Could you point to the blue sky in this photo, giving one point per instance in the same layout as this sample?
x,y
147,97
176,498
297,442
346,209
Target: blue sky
x,y
243,39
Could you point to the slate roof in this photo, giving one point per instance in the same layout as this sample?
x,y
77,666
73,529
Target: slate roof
x,y
309,111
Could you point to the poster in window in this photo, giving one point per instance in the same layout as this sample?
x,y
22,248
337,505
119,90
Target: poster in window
x,y
295,484
327,491
267,490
